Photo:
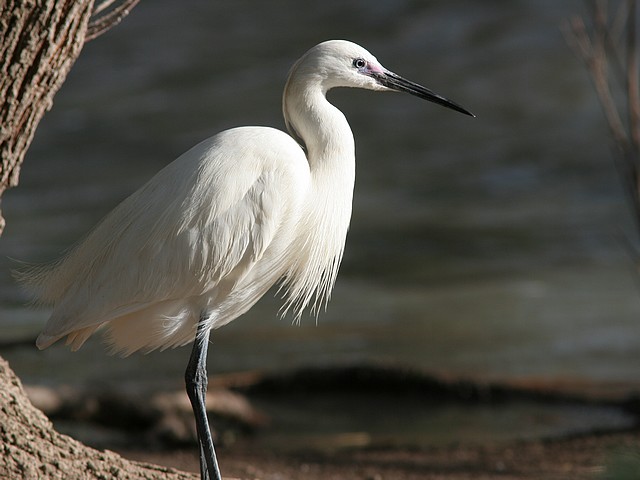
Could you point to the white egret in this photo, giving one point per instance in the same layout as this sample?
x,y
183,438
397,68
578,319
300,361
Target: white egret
x,y
208,235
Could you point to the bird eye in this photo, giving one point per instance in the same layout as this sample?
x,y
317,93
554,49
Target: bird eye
x,y
359,63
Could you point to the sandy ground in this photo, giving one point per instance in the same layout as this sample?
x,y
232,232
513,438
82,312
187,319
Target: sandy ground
x,y
599,453
614,456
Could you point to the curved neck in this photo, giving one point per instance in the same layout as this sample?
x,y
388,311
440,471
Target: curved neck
x,y
318,125
326,136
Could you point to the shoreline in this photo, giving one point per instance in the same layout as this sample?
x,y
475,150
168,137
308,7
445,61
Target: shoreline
x,y
325,423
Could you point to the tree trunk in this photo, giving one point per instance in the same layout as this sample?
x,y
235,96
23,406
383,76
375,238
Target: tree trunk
x,y
41,40
32,449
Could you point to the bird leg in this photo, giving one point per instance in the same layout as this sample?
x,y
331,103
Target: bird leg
x,y
196,384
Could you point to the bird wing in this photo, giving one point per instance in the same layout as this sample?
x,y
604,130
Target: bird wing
x,y
207,216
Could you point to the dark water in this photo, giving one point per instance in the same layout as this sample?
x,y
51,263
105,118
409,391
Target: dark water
x,y
492,246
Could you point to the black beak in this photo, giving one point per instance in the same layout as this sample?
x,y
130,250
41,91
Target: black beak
x,y
396,82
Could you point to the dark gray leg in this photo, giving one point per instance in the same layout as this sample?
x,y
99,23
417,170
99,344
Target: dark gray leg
x,y
196,381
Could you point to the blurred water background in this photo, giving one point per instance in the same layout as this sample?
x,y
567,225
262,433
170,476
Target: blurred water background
x,y
492,247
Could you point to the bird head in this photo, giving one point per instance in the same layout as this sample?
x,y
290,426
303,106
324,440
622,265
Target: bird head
x,y
340,63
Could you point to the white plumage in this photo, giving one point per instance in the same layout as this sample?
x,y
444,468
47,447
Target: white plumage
x,y
210,232
208,235
216,228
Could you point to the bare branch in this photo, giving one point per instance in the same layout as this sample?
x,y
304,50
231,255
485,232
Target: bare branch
x,y
576,36
592,53
619,21
101,23
633,99
614,45
99,7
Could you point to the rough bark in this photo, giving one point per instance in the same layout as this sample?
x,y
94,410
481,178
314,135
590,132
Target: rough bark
x,y
31,449
41,40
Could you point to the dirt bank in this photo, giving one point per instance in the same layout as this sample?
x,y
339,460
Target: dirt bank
x,y
613,456
330,424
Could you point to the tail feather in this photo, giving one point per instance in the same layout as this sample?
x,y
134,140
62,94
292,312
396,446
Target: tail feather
x,y
44,341
75,339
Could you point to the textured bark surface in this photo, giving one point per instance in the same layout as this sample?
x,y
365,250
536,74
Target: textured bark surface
x,y
31,449
41,40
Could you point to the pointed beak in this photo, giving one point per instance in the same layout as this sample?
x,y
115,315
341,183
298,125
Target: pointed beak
x,y
396,82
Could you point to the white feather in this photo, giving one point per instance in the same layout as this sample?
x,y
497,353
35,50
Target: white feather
x,y
214,230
